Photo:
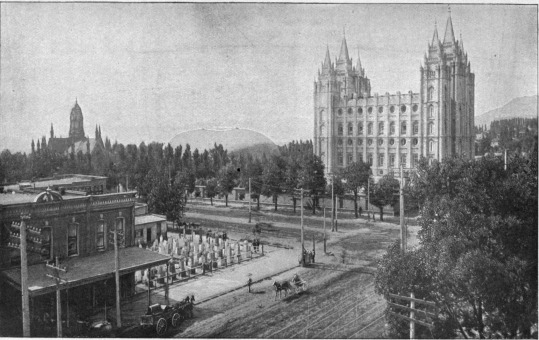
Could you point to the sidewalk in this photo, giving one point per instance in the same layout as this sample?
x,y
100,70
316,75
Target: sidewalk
x,y
211,285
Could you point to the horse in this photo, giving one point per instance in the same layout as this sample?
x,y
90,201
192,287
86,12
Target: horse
x,y
280,286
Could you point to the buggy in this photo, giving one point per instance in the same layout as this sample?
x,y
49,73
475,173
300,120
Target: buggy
x,y
160,316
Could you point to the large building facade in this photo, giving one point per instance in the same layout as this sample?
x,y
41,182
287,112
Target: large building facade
x,y
393,130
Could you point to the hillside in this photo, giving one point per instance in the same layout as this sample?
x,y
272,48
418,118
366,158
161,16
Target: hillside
x,y
522,107
231,139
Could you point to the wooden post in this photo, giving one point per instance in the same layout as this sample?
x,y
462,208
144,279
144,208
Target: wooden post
x,y
24,279
412,316
149,285
302,245
324,226
166,282
332,202
249,200
117,278
58,301
336,213
403,233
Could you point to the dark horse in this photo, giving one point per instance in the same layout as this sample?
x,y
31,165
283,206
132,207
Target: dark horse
x,y
280,286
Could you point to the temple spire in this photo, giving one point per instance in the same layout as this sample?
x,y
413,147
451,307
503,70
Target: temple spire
x,y
343,56
435,39
449,36
358,67
327,60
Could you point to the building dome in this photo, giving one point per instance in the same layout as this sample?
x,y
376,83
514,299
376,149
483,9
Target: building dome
x,y
48,196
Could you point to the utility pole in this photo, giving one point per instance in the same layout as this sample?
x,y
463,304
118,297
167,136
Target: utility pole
x,y
24,279
332,203
324,225
58,280
115,241
401,201
302,247
412,317
368,199
336,212
250,200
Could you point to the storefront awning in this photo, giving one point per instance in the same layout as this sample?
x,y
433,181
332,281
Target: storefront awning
x,y
147,219
84,270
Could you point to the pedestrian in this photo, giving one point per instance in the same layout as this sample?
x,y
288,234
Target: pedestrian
x,y
360,211
313,255
249,283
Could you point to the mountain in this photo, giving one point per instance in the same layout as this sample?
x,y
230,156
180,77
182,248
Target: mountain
x,y
231,139
522,107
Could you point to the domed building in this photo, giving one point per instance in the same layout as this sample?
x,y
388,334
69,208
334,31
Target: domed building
x,y
76,141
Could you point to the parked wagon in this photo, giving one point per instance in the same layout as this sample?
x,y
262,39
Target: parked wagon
x,y
160,316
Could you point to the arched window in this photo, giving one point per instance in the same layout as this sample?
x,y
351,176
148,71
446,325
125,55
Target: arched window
x,y
430,94
350,129
403,128
431,111
323,130
360,128
349,110
339,112
349,142
415,127
392,128
381,128
431,146
340,130
369,129
431,129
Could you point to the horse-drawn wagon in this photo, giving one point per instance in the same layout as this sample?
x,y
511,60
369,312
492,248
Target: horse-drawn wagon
x,y
160,316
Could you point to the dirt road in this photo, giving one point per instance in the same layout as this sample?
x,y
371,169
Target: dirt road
x,y
339,303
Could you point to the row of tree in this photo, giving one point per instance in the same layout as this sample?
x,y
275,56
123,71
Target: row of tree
x,y
477,258
514,135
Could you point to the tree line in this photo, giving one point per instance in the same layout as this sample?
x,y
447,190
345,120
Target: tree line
x,y
477,253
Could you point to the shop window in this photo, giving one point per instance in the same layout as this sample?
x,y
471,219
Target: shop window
x,y
72,239
100,235
46,243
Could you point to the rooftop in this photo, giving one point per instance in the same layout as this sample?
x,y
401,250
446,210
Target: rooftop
x,y
145,219
84,270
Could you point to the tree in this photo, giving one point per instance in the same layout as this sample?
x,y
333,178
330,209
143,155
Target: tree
x,y
311,177
211,189
254,172
273,178
226,179
356,175
478,248
164,197
385,192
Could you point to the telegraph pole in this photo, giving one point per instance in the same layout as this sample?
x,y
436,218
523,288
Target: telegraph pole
x,y
250,200
332,202
57,278
401,201
117,276
117,237
324,225
24,279
302,247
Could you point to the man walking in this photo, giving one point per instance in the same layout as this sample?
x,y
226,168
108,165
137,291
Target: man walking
x,y
249,283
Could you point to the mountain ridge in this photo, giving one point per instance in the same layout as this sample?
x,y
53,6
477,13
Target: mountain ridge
x,y
520,107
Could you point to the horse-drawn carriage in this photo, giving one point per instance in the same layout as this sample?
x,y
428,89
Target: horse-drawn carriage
x,y
296,284
160,316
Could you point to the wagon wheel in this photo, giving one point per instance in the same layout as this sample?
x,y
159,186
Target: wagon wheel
x,y
176,320
304,286
161,326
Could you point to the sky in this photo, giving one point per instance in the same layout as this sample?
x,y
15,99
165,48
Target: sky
x,y
146,72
